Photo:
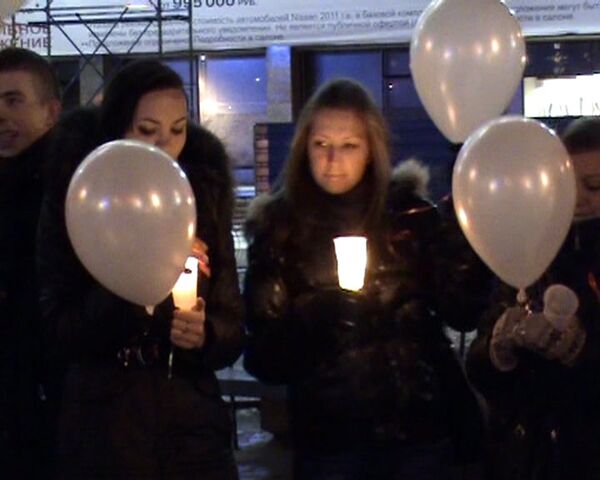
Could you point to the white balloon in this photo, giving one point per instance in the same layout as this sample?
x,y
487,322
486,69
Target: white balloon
x,y
10,7
466,58
131,217
514,195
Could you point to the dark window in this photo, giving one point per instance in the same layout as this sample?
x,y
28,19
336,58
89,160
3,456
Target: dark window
x,y
362,66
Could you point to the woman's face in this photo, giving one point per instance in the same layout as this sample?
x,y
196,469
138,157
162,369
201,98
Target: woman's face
x,y
338,149
160,118
587,173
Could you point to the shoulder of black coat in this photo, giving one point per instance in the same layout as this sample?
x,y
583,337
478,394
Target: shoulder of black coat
x,y
267,212
83,121
76,134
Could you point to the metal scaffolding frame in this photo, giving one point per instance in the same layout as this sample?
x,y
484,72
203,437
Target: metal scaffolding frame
x,y
89,15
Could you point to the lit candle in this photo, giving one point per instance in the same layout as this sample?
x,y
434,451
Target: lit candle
x,y
351,254
185,290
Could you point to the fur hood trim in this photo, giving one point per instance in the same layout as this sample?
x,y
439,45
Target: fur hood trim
x,y
411,177
257,206
259,211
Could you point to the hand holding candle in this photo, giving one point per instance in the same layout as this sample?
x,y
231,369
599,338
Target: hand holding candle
x,y
187,327
351,254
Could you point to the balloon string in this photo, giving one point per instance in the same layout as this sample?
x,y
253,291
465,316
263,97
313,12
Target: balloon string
x,y
522,297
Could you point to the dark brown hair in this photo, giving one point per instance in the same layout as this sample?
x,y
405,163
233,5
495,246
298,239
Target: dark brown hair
x,y
582,135
125,90
46,82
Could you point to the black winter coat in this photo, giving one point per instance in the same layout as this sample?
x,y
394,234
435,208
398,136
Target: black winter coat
x,y
130,421
364,369
22,425
545,417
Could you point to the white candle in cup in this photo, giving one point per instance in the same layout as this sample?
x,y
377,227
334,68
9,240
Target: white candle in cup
x,y
351,254
185,290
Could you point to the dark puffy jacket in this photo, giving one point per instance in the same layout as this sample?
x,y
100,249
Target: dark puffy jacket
x,y
545,417
364,369
130,421
22,423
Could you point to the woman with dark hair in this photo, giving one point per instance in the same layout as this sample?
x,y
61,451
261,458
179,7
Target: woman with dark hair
x,y
121,416
539,372
375,390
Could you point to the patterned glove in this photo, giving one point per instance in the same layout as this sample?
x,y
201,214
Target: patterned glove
x,y
502,344
534,332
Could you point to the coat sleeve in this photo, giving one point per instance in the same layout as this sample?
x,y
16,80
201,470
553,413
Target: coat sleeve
x,y
269,354
224,306
457,283
462,281
289,333
493,383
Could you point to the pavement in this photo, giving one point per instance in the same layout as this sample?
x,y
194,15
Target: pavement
x,y
260,456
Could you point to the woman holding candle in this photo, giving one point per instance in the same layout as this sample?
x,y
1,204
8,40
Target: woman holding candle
x,y
375,389
122,416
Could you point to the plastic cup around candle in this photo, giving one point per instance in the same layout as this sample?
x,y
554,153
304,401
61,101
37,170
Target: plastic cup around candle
x,y
560,304
351,254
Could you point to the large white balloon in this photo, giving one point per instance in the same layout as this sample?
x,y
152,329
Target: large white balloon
x,y
514,194
466,58
131,217
10,7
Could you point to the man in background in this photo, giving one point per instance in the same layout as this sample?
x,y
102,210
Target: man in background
x,y
29,108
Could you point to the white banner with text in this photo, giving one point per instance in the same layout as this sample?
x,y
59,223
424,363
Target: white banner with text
x,y
83,27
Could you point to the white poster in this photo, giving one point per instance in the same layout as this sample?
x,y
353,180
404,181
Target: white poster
x,y
131,26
